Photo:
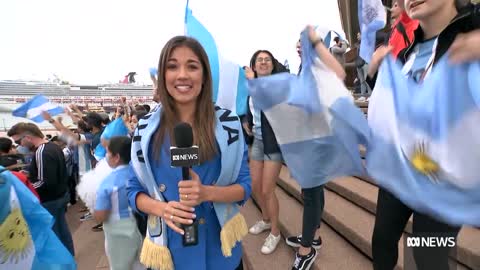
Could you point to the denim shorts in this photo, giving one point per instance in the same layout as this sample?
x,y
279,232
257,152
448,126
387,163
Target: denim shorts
x,y
257,153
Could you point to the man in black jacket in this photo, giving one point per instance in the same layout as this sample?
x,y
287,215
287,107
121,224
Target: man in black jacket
x,y
48,174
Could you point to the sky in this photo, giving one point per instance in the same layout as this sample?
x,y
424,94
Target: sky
x,y
100,41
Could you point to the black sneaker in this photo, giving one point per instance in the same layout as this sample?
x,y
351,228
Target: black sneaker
x,y
304,262
294,241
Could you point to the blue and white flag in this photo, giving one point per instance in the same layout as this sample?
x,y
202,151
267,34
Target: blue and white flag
x,y
33,109
153,72
229,81
329,42
27,240
372,17
425,140
315,121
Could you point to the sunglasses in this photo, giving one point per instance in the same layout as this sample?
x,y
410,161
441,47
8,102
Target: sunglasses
x,y
19,140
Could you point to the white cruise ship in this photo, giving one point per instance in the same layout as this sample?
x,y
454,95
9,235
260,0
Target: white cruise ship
x,y
13,93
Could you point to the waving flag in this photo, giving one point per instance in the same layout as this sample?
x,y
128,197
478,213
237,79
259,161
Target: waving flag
x,y
315,121
33,109
426,138
229,81
26,238
328,40
153,72
372,17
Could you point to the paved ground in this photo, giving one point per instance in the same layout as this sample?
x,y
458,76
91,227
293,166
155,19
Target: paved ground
x,y
89,245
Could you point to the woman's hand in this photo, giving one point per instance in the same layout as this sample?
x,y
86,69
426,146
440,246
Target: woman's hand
x,y
312,34
247,129
249,73
175,214
46,116
192,192
465,48
377,59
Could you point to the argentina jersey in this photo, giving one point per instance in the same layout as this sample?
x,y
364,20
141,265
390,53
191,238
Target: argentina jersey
x,y
112,194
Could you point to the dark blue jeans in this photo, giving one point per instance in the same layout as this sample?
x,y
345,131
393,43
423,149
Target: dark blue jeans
x,y
313,203
57,209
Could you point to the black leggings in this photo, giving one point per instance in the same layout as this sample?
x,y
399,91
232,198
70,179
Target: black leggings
x,y
240,266
391,217
313,202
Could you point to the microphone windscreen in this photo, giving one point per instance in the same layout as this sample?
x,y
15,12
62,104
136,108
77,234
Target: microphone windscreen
x,y
183,135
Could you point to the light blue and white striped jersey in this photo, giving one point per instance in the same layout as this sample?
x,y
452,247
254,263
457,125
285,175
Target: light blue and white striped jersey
x,y
112,194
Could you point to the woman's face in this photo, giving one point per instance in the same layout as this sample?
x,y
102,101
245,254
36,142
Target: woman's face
x,y
263,64
423,9
396,11
133,121
184,75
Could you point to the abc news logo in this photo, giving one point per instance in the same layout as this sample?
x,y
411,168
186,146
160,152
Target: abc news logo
x,y
433,241
185,157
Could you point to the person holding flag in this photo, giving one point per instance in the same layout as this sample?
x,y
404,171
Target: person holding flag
x,y
265,157
299,110
442,205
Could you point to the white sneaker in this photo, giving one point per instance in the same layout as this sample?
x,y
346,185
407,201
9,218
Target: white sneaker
x,y
271,244
259,227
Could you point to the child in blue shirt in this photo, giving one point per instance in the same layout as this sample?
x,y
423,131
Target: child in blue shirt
x,y
122,238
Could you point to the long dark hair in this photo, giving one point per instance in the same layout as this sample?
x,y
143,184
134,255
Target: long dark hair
x,y
204,121
277,66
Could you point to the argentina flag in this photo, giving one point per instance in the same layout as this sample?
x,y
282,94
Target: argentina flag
x,y
329,38
315,121
33,109
27,240
372,17
425,145
229,81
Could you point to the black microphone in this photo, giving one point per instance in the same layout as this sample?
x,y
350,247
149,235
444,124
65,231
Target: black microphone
x,y
185,155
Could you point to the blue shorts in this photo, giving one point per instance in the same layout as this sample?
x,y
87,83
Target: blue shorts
x,y
257,153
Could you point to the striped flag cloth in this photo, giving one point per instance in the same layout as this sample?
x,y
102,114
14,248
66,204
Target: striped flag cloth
x,y
33,109
372,17
229,81
27,240
426,138
315,121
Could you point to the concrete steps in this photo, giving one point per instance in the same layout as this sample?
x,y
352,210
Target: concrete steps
x,y
89,245
364,194
336,253
350,205
253,259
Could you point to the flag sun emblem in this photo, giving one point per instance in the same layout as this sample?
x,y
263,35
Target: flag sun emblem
x,y
15,239
423,163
